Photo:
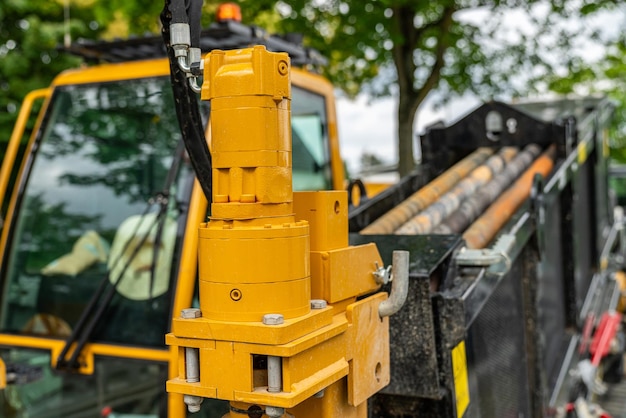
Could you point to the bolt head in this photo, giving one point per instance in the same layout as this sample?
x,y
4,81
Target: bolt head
x,y
190,313
318,304
193,403
319,394
273,319
274,411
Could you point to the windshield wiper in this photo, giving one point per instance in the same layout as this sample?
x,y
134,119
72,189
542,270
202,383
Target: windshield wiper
x,y
98,304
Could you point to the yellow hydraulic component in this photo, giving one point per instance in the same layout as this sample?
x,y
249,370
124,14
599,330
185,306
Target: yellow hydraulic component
x,y
279,320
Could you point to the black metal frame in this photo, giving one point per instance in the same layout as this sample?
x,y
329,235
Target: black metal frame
x,y
223,35
520,327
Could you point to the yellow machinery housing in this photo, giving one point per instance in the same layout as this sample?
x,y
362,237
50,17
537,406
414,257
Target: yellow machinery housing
x,y
279,326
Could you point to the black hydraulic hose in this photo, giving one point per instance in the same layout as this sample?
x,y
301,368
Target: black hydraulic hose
x,y
195,12
178,10
188,113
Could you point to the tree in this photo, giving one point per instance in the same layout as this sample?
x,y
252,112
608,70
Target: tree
x,y
605,75
380,47
30,32
411,48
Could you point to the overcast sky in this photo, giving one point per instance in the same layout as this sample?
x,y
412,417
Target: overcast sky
x,y
371,126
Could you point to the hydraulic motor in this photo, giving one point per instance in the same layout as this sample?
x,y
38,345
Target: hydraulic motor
x,y
279,330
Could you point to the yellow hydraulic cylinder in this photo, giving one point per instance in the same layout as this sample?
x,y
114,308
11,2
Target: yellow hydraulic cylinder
x,y
258,251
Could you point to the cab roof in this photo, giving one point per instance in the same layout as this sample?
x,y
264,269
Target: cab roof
x,y
223,35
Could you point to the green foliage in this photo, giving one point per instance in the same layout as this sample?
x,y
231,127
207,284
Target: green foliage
x,y
30,31
604,76
412,48
380,47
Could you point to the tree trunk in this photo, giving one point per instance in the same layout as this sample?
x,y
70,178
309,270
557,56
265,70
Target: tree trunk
x,y
406,116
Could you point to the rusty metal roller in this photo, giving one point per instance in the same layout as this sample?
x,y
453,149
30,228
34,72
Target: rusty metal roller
x,y
474,205
391,220
481,232
432,216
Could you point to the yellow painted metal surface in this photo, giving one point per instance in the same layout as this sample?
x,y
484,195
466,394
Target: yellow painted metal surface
x,y
3,375
91,349
255,259
16,136
461,384
327,214
252,212
113,72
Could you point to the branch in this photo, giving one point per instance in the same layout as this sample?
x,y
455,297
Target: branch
x,y
403,53
433,78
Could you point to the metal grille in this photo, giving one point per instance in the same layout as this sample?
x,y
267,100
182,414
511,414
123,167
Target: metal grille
x,y
551,297
496,354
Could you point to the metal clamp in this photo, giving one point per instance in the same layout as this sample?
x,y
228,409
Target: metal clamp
x,y
399,285
497,256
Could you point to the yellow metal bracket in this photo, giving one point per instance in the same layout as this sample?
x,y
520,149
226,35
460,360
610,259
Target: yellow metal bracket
x,y
3,375
16,136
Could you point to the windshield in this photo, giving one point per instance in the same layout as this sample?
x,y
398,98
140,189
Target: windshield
x,y
104,153
311,156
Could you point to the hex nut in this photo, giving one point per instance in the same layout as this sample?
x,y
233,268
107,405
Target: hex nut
x,y
320,394
273,319
190,313
274,411
318,304
193,403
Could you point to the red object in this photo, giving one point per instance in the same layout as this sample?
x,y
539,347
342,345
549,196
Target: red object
x,y
106,411
601,343
586,334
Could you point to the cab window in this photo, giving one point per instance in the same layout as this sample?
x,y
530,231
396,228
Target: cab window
x,y
84,215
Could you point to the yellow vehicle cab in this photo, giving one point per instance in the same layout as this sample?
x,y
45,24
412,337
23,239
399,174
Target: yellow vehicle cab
x,y
101,235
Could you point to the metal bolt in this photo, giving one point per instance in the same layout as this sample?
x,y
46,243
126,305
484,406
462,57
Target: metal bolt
x,y
193,403
319,394
274,411
273,319
190,313
192,364
274,374
318,304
